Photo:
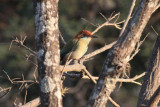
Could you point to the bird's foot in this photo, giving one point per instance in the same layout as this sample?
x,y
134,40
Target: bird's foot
x,y
80,61
82,74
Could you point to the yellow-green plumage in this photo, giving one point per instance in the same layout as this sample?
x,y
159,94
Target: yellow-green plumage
x,y
80,44
79,50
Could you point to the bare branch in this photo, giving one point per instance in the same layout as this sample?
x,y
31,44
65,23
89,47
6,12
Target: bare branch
x,y
132,80
77,67
21,43
89,75
128,17
113,102
86,77
97,51
33,103
14,81
107,23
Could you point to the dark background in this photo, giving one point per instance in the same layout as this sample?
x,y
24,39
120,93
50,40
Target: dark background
x,y
17,18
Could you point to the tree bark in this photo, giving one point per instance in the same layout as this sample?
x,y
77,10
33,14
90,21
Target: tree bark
x,y
48,53
149,95
121,53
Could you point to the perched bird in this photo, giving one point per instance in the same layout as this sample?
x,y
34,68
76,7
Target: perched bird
x,y
80,43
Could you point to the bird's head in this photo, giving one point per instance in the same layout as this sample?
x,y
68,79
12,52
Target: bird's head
x,y
84,34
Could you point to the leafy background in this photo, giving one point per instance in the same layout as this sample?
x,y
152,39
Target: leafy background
x,y
17,18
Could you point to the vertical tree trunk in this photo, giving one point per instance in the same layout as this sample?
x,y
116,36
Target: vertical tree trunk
x,y
121,53
149,95
48,53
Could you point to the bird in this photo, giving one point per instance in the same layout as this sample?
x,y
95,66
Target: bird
x,y
80,43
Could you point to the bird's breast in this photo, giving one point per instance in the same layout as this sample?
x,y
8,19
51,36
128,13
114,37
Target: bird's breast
x,y
81,49
78,53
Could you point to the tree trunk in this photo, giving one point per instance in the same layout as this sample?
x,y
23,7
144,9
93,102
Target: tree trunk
x,y
149,95
48,53
121,53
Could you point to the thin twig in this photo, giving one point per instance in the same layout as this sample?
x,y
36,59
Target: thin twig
x,y
6,91
16,81
89,22
113,102
113,17
90,76
103,16
128,18
137,48
116,19
8,77
9,88
154,30
21,43
21,87
107,23
25,96
24,81
132,80
61,37
86,77
28,59
34,75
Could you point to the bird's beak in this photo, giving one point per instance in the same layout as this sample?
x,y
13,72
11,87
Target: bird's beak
x,y
93,36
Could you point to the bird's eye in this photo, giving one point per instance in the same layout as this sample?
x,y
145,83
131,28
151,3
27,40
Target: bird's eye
x,y
82,35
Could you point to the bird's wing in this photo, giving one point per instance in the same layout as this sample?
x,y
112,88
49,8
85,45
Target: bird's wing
x,y
67,48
